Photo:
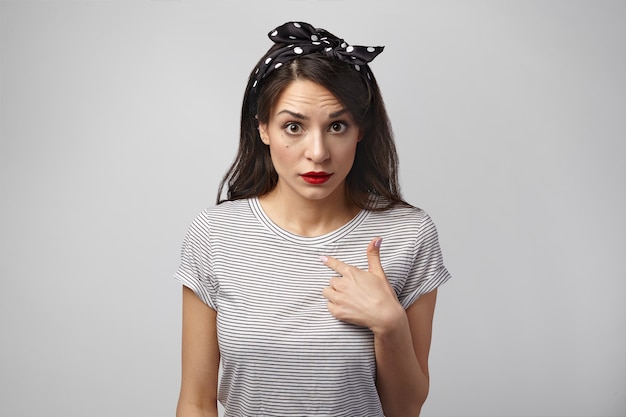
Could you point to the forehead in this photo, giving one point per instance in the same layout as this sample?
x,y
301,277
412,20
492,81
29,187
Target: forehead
x,y
307,95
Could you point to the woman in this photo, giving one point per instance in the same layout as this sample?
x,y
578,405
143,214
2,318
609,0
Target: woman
x,y
285,280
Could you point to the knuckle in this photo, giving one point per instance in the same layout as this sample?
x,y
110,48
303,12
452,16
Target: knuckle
x,y
338,284
338,312
350,270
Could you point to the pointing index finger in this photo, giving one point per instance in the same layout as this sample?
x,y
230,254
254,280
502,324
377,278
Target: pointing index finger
x,y
334,264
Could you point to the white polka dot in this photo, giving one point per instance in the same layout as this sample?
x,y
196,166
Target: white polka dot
x,y
356,67
296,24
371,49
274,33
316,43
314,38
256,71
350,48
268,60
254,84
329,49
343,45
278,65
297,50
292,37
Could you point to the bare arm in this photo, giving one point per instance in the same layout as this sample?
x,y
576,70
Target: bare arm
x,y
401,338
200,359
402,359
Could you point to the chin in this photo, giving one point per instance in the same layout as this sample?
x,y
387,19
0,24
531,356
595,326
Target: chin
x,y
321,194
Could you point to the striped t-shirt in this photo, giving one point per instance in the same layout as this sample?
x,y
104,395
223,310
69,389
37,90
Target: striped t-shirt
x,y
282,353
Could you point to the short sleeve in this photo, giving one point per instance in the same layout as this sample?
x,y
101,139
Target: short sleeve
x,y
196,266
427,271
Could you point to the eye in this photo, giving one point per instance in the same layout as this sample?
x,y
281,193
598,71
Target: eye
x,y
293,128
338,127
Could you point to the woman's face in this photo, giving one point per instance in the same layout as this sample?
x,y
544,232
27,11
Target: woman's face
x,y
312,140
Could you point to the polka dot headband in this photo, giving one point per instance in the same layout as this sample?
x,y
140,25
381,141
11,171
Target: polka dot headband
x,y
301,38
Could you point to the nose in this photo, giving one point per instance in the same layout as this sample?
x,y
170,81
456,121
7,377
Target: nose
x,y
317,149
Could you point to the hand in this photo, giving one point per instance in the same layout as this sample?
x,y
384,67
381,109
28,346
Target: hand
x,y
364,298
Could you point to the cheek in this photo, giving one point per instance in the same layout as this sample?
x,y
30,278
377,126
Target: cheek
x,y
347,151
282,153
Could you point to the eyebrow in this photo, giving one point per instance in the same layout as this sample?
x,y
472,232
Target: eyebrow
x,y
301,116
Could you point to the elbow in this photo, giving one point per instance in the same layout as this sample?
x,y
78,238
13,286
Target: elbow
x,y
412,410
412,407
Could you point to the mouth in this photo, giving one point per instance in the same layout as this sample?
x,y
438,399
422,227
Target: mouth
x,y
316,177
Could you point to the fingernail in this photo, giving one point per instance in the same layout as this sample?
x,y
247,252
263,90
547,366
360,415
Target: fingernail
x,y
378,242
324,259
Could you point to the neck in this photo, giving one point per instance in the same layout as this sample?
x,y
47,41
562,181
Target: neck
x,y
308,217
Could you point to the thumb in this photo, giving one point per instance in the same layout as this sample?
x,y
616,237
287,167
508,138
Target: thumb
x,y
373,257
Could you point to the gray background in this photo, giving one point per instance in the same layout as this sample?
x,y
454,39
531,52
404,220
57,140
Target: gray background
x,y
119,118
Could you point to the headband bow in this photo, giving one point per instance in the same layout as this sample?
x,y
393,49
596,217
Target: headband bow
x,y
301,38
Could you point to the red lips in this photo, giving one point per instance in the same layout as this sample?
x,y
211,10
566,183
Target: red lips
x,y
316,177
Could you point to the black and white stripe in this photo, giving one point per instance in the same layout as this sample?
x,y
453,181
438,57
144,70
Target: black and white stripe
x,y
282,352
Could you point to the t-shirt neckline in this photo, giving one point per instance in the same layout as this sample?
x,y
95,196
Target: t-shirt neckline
x,y
325,239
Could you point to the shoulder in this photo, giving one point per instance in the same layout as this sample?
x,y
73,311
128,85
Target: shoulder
x,y
410,222
401,213
225,210
226,213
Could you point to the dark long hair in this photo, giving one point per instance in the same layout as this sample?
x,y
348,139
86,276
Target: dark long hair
x,y
375,168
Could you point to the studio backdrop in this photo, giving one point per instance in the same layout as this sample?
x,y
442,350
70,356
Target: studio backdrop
x,y
119,118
